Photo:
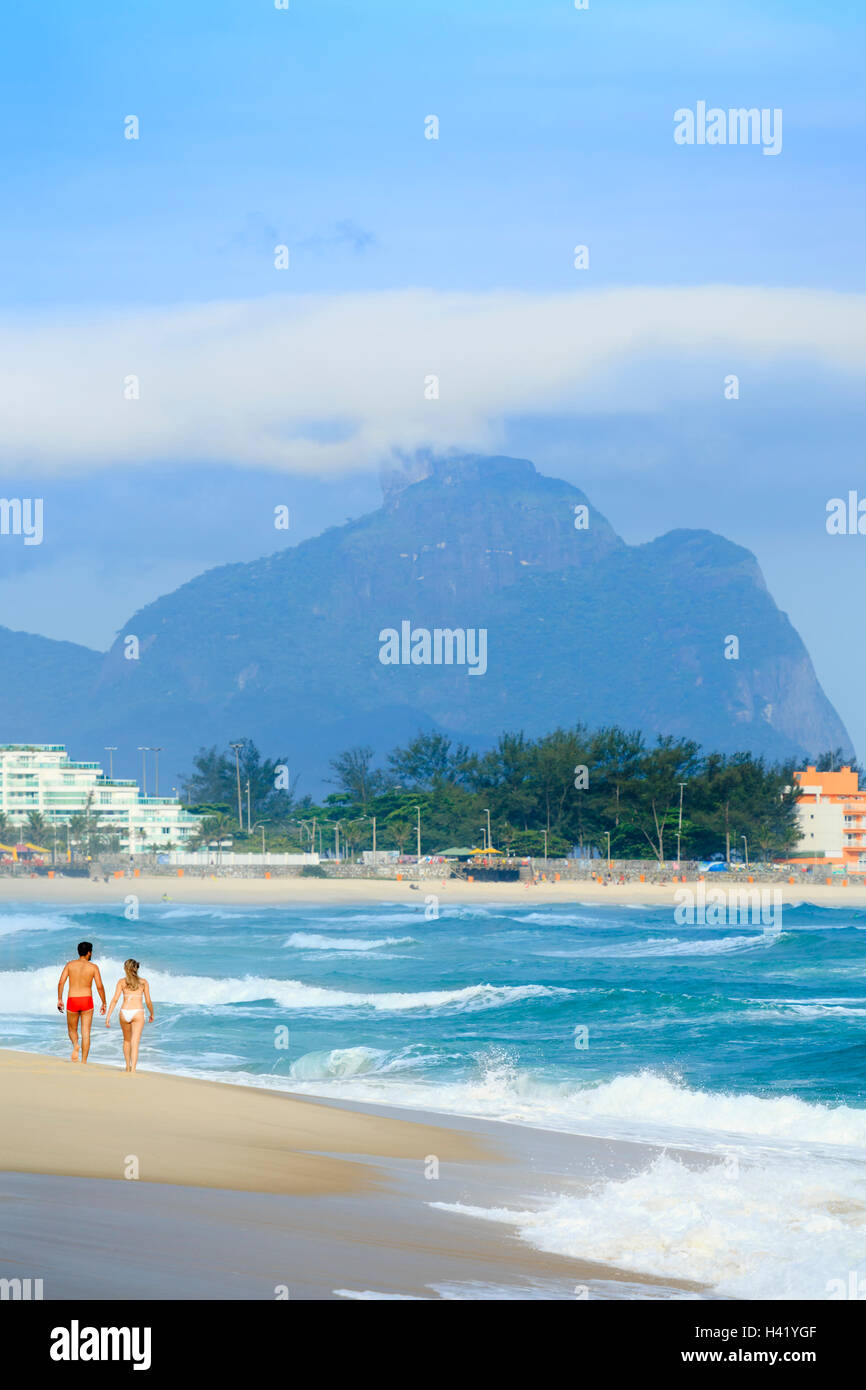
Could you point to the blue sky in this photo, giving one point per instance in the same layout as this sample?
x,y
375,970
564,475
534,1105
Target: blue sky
x,y
555,126
305,127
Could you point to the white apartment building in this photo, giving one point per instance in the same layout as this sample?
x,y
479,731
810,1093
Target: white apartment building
x,y
42,777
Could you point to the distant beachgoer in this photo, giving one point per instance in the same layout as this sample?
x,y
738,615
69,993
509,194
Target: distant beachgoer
x,y
81,975
136,994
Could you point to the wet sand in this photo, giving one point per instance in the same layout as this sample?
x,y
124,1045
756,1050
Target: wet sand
x,y
251,1194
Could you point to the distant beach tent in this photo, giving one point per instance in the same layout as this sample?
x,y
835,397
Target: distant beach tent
x,y
465,852
22,850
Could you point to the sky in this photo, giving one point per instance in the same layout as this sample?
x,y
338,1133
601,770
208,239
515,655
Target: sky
x,y
151,261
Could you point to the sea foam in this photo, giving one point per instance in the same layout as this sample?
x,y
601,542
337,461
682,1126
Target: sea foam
x,y
760,1232
34,992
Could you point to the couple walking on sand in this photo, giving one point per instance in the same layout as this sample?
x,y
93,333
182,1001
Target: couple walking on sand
x,y
81,975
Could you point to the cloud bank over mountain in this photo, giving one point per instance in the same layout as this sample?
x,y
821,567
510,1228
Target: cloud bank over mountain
x,y
324,384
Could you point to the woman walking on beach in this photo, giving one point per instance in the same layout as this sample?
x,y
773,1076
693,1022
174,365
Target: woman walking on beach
x,y
136,994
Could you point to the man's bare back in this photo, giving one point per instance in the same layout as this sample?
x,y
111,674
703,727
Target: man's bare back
x,y
81,975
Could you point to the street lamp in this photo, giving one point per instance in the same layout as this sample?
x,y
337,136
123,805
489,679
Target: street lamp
x,y
305,827
373,819
157,751
260,825
249,814
489,836
111,752
418,809
144,749
746,847
237,747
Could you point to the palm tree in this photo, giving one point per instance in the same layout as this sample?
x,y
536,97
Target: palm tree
x,y
84,828
37,827
217,827
353,831
400,830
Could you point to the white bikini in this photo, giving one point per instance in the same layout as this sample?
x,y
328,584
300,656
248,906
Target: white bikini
x,y
129,1014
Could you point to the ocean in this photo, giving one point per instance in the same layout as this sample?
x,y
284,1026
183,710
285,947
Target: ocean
x,y
744,1043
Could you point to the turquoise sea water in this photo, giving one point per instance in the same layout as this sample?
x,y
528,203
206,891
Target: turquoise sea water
x,y
744,1042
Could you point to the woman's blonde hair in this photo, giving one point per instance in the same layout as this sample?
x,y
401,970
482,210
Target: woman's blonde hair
x,y
132,967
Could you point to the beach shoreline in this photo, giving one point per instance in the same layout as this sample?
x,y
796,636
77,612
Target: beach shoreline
x,y
440,1158
236,1191
184,1130
261,892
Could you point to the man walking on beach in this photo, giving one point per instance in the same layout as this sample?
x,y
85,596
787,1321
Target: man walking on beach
x,y
81,974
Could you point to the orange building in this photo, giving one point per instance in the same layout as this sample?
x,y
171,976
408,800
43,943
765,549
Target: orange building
x,y
831,814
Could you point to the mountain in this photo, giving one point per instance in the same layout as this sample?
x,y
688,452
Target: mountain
x,y
43,684
580,626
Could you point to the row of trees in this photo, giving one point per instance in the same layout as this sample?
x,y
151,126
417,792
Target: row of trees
x,y
594,789
599,790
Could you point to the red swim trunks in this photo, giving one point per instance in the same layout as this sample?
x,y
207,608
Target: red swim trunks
x,y
80,1005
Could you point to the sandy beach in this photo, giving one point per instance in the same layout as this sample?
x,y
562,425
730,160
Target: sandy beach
x,y
260,891
193,1132
247,1193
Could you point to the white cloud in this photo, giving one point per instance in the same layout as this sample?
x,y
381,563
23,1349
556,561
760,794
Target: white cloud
x,y
330,383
